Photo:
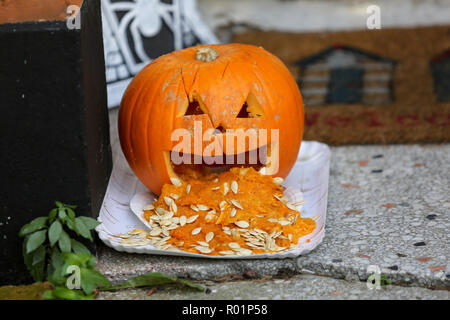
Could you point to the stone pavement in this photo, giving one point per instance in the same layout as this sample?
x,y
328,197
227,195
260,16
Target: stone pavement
x,y
297,288
388,208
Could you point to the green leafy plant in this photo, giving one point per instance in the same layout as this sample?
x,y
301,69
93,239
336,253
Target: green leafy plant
x,y
50,252
75,267
46,238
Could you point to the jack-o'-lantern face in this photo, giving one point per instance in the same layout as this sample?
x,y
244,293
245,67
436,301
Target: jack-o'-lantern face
x,y
207,108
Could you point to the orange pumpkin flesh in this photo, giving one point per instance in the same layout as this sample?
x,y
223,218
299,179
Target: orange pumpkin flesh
x,y
242,87
261,207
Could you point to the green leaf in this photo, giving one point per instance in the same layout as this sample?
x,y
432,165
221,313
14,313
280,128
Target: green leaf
x,y
56,259
27,257
71,225
90,279
54,232
38,255
59,204
64,242
83,229
37,271
191,285
78,247
35,240
48,295
89,222
79,259
62,213
34,225
67,294
52,215
153,279
70,213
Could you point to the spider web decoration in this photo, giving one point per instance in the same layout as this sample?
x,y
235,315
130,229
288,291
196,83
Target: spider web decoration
x,y
137,31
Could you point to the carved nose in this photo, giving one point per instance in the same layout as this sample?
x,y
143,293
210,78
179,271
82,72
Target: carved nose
x,y
219,130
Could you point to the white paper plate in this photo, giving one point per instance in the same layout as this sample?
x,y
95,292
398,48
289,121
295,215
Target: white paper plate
x,y
308,180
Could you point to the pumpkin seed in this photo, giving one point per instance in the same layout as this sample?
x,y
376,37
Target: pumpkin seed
x,y
196,231
136,231
155,232
227,253
278,198
188,188
203,243
174,207
168,215
278,180
225,188
166,246
236,204
183,220
209,236
175,220
203,249
175,181
148,207
233,212
244,251
192,218
202,207
234,245
284,222
168,201
242,224
161,211
215,188
194,207
234,187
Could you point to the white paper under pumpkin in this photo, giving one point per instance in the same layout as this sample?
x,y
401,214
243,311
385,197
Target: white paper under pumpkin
x,y
308,180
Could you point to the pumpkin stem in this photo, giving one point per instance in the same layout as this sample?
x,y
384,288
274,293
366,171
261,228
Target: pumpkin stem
x,y
206,54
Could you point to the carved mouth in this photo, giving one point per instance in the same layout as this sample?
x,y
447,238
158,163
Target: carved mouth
x,y
263,159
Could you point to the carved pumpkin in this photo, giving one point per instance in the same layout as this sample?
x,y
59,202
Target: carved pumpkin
x,y
218,87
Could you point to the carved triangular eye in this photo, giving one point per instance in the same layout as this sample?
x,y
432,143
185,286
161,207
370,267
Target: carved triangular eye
x,y
193,109
244,113
251,108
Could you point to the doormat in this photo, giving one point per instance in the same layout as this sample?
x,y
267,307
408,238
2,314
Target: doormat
x,y
368,86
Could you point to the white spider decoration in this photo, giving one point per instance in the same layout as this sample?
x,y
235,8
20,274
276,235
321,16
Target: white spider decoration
x,y
144,19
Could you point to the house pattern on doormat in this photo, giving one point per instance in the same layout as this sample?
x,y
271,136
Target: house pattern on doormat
x,y
440,69
342,74
137,31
